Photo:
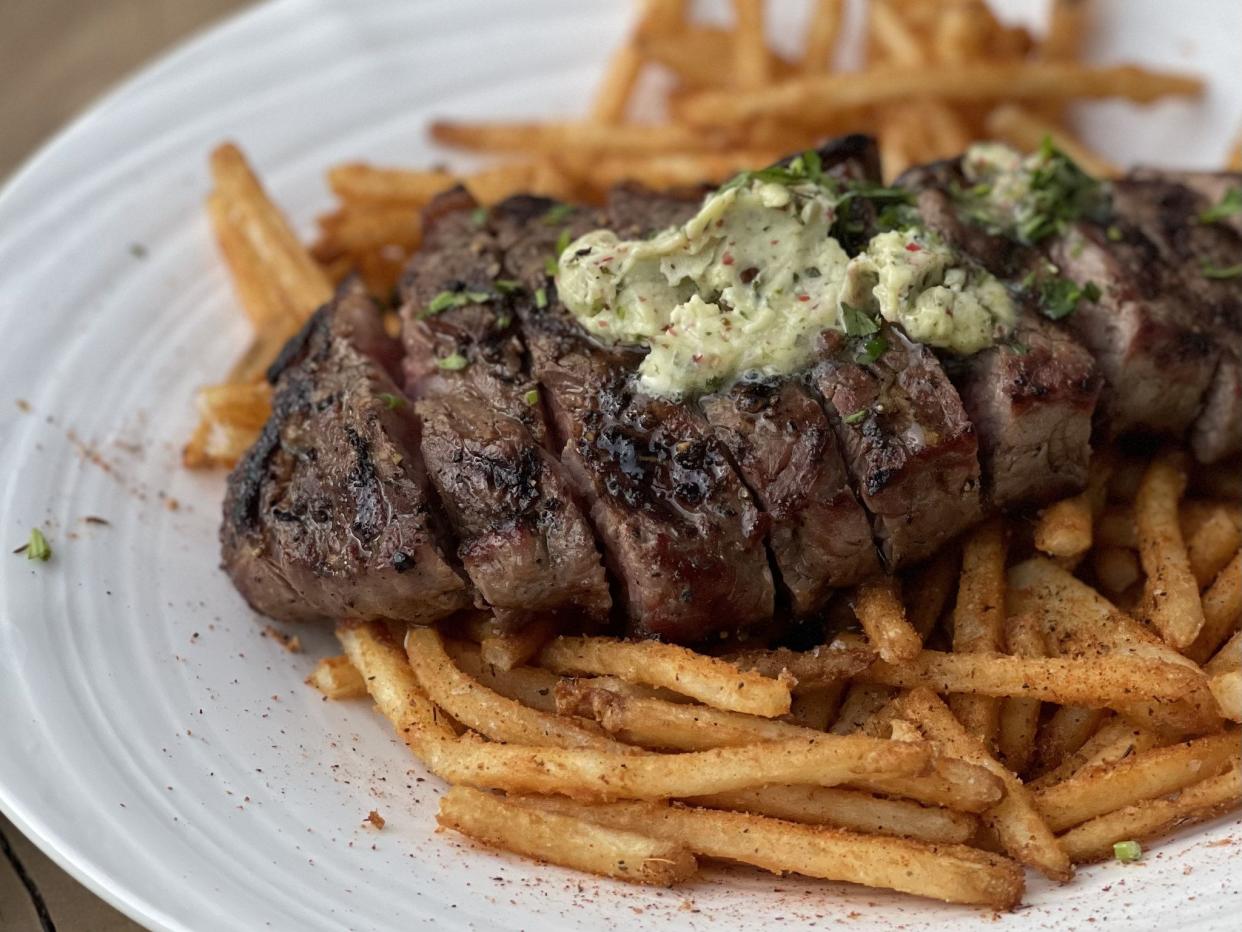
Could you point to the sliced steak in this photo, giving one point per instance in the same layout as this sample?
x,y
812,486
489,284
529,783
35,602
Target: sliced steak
x,y
522,539
681,533
907,442
329,514
1032,397
1201,257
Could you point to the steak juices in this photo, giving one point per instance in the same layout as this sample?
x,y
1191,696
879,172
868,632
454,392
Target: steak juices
x,y
694,415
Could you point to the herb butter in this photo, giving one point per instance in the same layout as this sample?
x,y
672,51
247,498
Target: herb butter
x,y
747,285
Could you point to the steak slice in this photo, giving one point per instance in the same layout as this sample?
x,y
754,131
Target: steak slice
x,y
329,514
522,539
908,443
681,533
1169,214
1031,398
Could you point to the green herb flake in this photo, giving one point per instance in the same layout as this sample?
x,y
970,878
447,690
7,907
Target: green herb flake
x,y
1059,297
447,299
391,402
507,286
868,351
1220,272
856,417
531,397
562,243
541,298
37,547
1229,205
550,267
1018,348
1127,851
857,322
1113,233
454,362
478,216
557,214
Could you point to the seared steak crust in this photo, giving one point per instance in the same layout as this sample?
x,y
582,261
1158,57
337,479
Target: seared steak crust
x,y
329,514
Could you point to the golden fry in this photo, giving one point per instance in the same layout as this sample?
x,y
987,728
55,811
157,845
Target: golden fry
x,y
822,31
507,650
1227,689
1019,717
825,665
1212,544
979,620
751,65
878,607
1171,595
1222,610
337,678
1116,568
928,588
573,138
531,686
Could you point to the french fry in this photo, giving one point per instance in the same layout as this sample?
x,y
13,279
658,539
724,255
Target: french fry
x,y
245,406
821,33
337,678
507,650
491,185
573,138
877,603
1116,568
1016,821
700,56
1116,740
564,840
1067,26
979,621
1228,658
1222,610
1171,595
815,708
1096,791
359,230
1094,840
862,702
960,32
1065,528
675,170
1078,619
1227,689
928,588
531,686
1019,717
363,184
825,665
612,97
891,36
1212,545
751,65
1065,731
264,302
953,873
1025,130
710,680
849,809
823,96
487,712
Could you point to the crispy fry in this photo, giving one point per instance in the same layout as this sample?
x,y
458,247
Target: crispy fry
x,y
1025,130
1227,689
244,406
507,650
878,607
1116,740
822,31
565,840
487,712
953,873
891,36
1093,841
700,56
821,97
1171,595
815,708
1065,527
564,138
1116,568
1097,790
1067,26
979,620
1019,716
712,681
928,588
812,669
531,686
1067,730
1212,545
1228,658
751,66
1015,819
261,297
337,678
358,182
849,809
1222,610
862,702
612,97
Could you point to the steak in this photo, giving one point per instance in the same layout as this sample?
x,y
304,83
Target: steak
x,y
682,536
1031,397
329,514
909,446
522,539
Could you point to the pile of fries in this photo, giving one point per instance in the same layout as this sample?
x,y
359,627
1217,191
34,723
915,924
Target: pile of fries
x,y
988,712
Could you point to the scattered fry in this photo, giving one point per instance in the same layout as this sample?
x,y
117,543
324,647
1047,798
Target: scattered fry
x,y
879,609
1171,595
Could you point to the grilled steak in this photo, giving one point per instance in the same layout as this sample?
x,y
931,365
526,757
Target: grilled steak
x,y
522,539
907,442
329,514
681,534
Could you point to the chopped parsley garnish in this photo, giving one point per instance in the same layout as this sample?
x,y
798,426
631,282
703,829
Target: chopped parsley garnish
x,y
856,321
562,243
856,417
1220,271
1017,347
1113,233
1059,297
869,350
453,362
557,214
531,397
507,286
1127,851
541,298
1229,205
37,547
391,401
478,216
447,299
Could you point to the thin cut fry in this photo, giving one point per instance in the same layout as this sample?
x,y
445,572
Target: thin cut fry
x,y
1116,568
1019,717
1067,730
953,873
563,138
1227,688
531,686
1099,790
245,406
564,839
750,50
1171,595
927,590
507,650
1065,527
1228,658
337,678
820,97
862,702
821,34
979,621
883,617
368,184
1116,740
812,669
1212,545
1094,840
264,302
1222,610
1067,26
712,681
815,708
612,98
1015,819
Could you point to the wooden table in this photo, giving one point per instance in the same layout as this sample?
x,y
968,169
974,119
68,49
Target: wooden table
x,y
55,57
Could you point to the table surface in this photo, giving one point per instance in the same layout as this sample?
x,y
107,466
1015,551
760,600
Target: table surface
x,y
55,57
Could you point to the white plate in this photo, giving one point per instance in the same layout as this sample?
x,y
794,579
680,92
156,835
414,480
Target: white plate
x,y
154,743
